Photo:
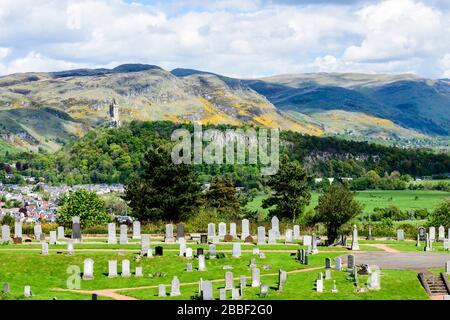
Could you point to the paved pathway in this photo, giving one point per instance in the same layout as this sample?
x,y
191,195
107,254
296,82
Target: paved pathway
x,y
402,260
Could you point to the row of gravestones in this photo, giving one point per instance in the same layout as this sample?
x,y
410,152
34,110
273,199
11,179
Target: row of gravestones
x,y
422,234
26,290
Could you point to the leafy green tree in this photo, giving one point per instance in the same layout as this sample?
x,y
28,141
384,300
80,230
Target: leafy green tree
x,y
164,190
336,207
291,190
85,204
223,196
441,215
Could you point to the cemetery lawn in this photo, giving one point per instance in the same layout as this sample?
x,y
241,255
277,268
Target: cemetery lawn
x,y
403,199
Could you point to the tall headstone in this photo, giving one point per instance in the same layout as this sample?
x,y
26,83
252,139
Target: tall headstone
x,y
145,244
138,272
53,237
229,280
175,287
136,230
319,285
169,234
236,250
61,233
70,249
182,250
212,251
162,290
276,226
355,244
18,229
235,294
37,231
422,234
296,232
180,231
207,290
441,233
351,262
126,268
307,240
432,234
245,229
76,229
272,237
400,235
112,268
374,281
222,294
314,249
327,263
27,291
256,277
222,230
201,263
289,236
112,238
44,248
233,231
261,239
6,233
338,263
123,234
88,270
189,254
211,229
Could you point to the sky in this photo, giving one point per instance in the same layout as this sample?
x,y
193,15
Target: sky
x,y
238,38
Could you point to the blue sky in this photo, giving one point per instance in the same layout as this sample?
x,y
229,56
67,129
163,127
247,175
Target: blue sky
x,y
242,38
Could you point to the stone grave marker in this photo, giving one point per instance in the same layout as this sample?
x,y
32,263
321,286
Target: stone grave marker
x,y
53,237
327,274
222,230
307,240
338,263
296,232
400,235
211,230
189,267
182,251
180,231
5,288
126,268
189,253
351,262
44,248
158,251
447,267
256,277
200,251
276,226
18,229
37,231
229,280
374,281
123,234
261,239
76,229
112,238
212,251
233,231
169,234
327,263
6,233
355,243
222,294
242,282
319,285
175,287
201,263
112,268
432,235
61,233
203,239
236,250
288,236
145,243
272,237
162,290
70,249
441,233
263,290
88,270
136,230
245,229
138,272
422,234
207,290
235,294
27,291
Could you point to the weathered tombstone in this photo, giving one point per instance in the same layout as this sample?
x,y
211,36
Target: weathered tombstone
x,y
235,294
307,240
276,226
248,239
159,251
136,230
422,234
37,231
256,277
229,280
374,281
162,290
350,262
70,249
288,236
27,291
182,251
242,282
145,243
175,287
203,239
189,254
252,263
207,290
5,288
222,294
112,268
432,235
272,237
6,233
314,249
296,232
180,231
400,235
211,230
233,231
138,272
123,234
327,263
61,233
282,277
52,237
338,263
125,268
236,250
189,267
245,229
88,270
212,251
319,285
76,229
261,239
112,239
263,290
201,263
169,234
327,274
44,248
441,233
355,243
222,230
18,229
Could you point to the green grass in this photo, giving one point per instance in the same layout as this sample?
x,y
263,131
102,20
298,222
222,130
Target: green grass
x,y
404,199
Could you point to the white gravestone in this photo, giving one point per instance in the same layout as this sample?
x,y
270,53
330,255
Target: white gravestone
x,y
272,237
136,230
222,294
112,238
88,270
6,233
374,281
233,231
138,272
235,294
296,232
189,253
307,240
37,231
61,233
229,280
236,250
256,277
319,285
338,264
355,244
70,249
288,237
169,238
18,229
27,291
123,234
175,287
201,263
276,226
112,268
44,248
222,230
211,230
126,268
53,237
182,251
245,229
432,233
261,239
447,267
400,235
207,290
162,290
145,243
441,233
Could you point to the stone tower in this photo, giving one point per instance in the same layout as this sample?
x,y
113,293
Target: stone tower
x,y
114,121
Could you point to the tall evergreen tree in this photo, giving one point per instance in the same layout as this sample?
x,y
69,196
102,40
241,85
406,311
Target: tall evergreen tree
x,y
223,196
291,191
164,190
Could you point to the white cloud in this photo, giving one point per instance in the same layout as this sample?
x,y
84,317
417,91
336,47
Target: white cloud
x,y
236,38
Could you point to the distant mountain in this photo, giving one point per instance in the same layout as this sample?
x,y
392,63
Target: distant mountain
x,y
43,110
